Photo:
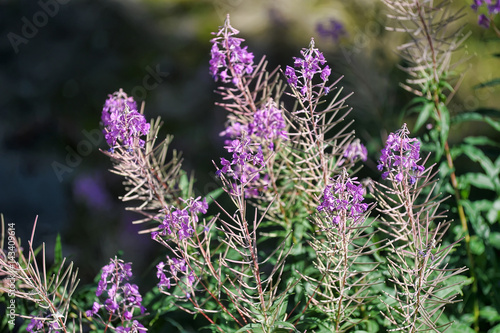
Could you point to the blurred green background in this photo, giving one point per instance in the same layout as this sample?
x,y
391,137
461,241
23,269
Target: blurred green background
x,y
54,80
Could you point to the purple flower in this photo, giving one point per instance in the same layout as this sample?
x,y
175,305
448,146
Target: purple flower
x,y
136,327
483,21
355,151
178,271
176,222
333,29
343,199
400,157
246,142
90,190
305,69
122,297
35,325
268,125
229,61
122,122
492,9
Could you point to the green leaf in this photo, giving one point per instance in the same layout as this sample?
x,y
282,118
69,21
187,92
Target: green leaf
x,y
490,83
214,195
495,329
479,115
494,240
493,215
478,180
456,284
481,141
489,313
252,327
476,245
444,124
476,220
58,257
477,155
460,328
424,114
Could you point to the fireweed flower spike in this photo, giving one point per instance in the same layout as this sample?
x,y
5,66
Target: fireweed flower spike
x,y
247,144
122,297
343,199
333,29
122,122
180,223
400,157
301,75
229,60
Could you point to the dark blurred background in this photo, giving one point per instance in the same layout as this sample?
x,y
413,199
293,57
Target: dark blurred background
x,y
60,59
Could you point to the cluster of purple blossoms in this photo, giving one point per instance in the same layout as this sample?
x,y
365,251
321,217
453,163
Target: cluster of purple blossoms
x,y
355,151
343,199
243,157
492,9
38,325
122,122
180,222
231,61
122,297
401,155
246,143
268,125
301,75
333,29
175,266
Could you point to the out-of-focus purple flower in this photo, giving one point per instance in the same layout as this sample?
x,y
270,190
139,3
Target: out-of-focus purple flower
x,y
355,151
122,122
305,69
483,21
50,324
122,297
135,327
35,325
333,29
343,199
492,8
90,190
229,60
401,156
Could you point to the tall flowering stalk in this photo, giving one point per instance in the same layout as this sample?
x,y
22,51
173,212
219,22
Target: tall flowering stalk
x,y
418,257
344,249
123,298
150,179
434,39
